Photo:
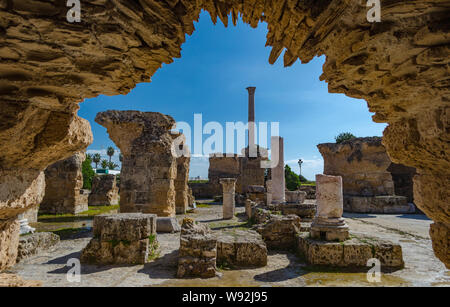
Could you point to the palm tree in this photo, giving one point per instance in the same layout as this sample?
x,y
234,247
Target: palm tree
x,y
96,158
110,152
112,165
105,164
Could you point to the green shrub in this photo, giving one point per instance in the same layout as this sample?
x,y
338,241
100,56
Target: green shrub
x,y
88,172
344,136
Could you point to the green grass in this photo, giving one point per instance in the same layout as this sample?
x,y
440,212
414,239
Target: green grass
x,y
199,181
200,205
67,232
92,211
153,252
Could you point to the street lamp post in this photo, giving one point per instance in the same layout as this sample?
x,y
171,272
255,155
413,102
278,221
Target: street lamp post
x,y
300,162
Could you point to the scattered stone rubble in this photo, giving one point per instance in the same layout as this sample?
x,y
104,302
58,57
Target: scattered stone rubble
x,y
31,244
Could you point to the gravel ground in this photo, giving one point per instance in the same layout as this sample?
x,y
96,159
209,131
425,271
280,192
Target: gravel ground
x,y
422,268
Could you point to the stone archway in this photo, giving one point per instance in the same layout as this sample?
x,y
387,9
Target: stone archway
x,y
399,66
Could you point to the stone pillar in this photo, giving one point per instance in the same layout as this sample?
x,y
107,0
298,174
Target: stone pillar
x,y
278,180
229,187
149,167
104,191
328,223
63,182
269,192
251,117
181,185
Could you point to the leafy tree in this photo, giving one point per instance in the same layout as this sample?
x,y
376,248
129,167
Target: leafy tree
x,y
104,164
88,172
292,179
110,152
96,158
344,136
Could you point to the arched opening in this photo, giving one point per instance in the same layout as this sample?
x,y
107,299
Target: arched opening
x,y
394,65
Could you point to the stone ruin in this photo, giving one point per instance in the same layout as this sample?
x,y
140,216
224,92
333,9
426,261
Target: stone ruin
x,y
104,191
124,238
198,251
369,187
149,167
228,200
329,243
49,66
63,187
201,250
328,223
183,197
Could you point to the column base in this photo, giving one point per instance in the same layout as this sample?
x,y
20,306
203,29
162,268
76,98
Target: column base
x,y
334,229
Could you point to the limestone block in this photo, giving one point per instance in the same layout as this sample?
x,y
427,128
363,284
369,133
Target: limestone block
x,y
354,252
104,191
296,197
241,248
329,196
228,185
9,241
378,204
198,251
167,224
31,244
280,231
124,226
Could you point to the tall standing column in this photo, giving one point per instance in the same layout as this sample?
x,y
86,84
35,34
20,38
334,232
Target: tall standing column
x,y
251,116
229,188
278,180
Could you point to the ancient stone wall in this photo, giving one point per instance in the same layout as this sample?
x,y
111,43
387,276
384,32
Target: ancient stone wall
x,y
368,185
224,166
362,163
149,167
63,182
48,65
403,180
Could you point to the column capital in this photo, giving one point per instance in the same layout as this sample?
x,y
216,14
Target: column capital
x,y
251,90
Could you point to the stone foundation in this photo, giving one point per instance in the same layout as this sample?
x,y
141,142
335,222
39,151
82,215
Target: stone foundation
x,y
167,224
280,231
198,251
305,211
104,191
354,252
241,248
32,244
63,184
378,204
122,238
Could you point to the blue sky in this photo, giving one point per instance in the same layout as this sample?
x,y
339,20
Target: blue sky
x,y
210,78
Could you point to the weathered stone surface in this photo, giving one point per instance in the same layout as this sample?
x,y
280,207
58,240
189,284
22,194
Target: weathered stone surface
x,y
182,195
149,167
124,226
366,169
362,163
277,171
228,201
63,182
295,197
9,241
309,190
123,238
304,211
378,204
399,66
280,231
34,243
256,193
167,224
198,251
104,191
241,248
354,252
13,280
31,214
328,223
